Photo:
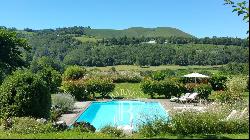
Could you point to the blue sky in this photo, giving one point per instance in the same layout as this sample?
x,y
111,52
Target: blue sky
x,y
200,18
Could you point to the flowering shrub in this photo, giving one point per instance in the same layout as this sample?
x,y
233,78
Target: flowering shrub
x,y
74,73
75,88
83,88
113,131
218,82
168,87
83,127
26,125
204,90
236,86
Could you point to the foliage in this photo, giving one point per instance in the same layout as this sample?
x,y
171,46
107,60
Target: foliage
x,y
83,127
75,88
167,87
155,127
82,89
113,131
52,78
204,90
235,68
11,49
44,62
74,73
99,85
240,8
206,123
65,102
55,113
24,94
26,125
190,87
126,76
218,82
236,86
161,75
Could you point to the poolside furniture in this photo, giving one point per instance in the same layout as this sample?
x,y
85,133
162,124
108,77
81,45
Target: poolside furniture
x,y
192,97
232,115
235,114
184,98
173,99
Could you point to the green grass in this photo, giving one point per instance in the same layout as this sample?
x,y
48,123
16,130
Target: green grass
x,y
128,90
155,68
82,135
85,39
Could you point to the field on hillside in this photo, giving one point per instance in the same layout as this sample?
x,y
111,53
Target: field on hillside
x,y
212,69
86,39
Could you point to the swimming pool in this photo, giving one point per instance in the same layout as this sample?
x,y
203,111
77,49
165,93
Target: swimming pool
x,y
121,113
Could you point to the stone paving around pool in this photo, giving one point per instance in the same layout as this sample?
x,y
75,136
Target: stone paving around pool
x,y
79,108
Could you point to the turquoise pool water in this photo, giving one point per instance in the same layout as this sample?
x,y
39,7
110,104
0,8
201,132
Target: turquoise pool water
x,y
121,113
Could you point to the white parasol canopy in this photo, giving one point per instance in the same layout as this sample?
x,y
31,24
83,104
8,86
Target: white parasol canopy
x,y
195,75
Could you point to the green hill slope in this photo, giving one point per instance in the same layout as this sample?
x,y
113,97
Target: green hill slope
x,y
137,32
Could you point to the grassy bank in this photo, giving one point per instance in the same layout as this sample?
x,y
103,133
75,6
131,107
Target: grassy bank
x,y
81,135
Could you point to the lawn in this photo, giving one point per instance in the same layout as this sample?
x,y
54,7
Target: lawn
x,y
82,135
85,39
128,90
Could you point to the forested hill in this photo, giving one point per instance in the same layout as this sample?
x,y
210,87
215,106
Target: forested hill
x,y
68,46
137,32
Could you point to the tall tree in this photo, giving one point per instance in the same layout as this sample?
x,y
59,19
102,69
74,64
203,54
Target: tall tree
x,y
11,48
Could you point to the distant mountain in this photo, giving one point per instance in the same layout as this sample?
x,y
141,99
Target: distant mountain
x,y
137,32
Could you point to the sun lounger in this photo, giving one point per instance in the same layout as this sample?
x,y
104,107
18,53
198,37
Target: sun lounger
x,y
192,97
184,98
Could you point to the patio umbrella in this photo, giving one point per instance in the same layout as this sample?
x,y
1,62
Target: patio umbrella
x,y
196,75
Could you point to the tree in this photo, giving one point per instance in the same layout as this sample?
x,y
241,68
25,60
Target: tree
x,y
241,8
11,49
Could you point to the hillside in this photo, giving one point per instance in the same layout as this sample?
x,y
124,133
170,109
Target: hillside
x,y
137,32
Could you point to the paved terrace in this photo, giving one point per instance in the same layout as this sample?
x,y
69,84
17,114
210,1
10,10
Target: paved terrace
x,y
80,107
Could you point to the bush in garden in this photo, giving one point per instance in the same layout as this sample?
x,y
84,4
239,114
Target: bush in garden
x,y
168,87
52,77
26,125
149,87
126,76
190,87
189,122
161,75
218,82
83,127
24,94
63,101
155,127
74,73
204,90
75,88
99,85
55,113
113,131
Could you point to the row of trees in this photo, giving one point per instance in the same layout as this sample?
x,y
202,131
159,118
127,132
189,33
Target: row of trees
x,y
156,55
176,40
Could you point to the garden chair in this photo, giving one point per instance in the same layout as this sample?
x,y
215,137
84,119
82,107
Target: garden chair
x,y
236,114
192,97
184,98
173,99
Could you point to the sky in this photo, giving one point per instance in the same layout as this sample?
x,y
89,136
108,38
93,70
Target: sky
x,y
201,18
